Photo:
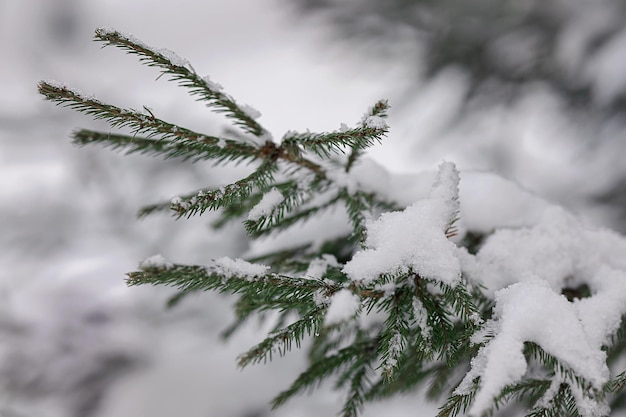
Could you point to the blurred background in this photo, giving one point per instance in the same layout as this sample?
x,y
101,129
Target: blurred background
x,y
533,90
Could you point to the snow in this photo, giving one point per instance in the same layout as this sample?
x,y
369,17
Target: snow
x,y
157,262
267,204
397,344
170,55
558,249
375,122
421,318
328,225
532,311
231,268
318,267
526,269
413,239
250,111
343,306
213,86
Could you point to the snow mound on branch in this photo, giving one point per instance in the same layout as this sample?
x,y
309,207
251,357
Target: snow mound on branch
x,y
532,311
158,262
228,267
415,238
526,270
264,208
343,305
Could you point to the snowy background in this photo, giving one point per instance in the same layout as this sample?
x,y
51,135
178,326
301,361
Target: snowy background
x,y
75,341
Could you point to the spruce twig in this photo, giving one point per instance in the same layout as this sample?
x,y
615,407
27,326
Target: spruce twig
x,y
179,71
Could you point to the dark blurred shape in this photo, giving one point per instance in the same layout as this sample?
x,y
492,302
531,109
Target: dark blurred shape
x,y
63,21
514,42
572,50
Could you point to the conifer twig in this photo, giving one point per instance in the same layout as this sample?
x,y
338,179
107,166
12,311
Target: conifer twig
x,y
178,69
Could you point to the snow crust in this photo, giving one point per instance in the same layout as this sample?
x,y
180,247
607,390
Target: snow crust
x,y
264,207
343,306
413,239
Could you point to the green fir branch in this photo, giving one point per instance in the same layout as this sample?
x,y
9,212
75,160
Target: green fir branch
x,y
361,206
326,144
395,336
379,109
282,341
186,77
531,390
210,148
137,122
232,194
458,404
408,375
562,403
617,384
279,220
359,385
319,370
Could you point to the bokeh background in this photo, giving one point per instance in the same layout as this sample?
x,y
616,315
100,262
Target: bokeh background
x,y
533,90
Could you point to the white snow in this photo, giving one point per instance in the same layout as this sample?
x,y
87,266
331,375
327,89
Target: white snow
x,y
397,344
213,86
318,267
526,269
421,318
155,262
558,249
168,54
413,239
343,306
231,268
250,111
532,311
375,122
267,204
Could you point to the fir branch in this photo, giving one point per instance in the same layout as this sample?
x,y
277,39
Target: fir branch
x,y
562,403
617,384
213,148
458,403
461,302
408,375
282,340
531,390
444,378
359,385
293,197
137,122
379,109
361,206
231,194
278,220
326,144
394,338
198,86
533,350
320,370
